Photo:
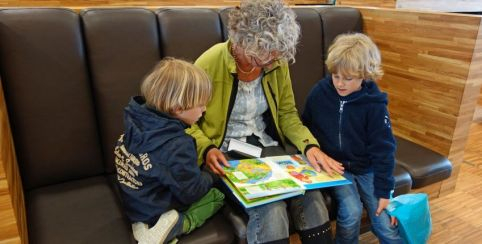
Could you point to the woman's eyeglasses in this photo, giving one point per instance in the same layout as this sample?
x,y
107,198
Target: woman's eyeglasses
x,y
262,62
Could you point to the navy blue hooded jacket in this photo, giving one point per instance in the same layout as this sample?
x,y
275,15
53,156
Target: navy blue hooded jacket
x,y
354,130
156,164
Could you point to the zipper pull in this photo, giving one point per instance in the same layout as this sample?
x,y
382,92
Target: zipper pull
x,y
342,103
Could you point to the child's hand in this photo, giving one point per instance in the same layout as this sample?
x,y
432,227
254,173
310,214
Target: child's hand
x,y
316,158
213,157
382,204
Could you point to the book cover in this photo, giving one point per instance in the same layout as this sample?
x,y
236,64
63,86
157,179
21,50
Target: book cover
x,y
300,169
247,203
255,178
259,181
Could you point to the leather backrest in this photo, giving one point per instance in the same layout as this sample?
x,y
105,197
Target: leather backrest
x,y
187,32
122,46
338,20
48,96
46,60
308,68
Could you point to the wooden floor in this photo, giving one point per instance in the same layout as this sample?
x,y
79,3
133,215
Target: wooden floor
x,y
457,217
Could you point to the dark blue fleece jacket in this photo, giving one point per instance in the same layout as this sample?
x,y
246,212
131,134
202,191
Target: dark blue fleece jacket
x,y
354,130
156,164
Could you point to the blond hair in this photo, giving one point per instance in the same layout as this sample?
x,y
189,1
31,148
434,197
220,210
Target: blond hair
x,y
176,84
356,55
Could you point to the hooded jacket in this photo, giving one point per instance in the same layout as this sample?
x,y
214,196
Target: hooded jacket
x,y
282,119
156,164
354,130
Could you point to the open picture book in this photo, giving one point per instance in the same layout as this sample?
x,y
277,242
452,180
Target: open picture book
x,y
259,181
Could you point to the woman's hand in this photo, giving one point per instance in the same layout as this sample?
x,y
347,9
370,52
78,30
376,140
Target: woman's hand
x,y
382,204
317,158
213,158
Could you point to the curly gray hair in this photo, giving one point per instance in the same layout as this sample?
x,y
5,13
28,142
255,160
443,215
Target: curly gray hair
x,y
261,27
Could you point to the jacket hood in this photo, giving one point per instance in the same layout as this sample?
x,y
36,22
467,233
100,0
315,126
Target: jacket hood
x,y
370,93
146,129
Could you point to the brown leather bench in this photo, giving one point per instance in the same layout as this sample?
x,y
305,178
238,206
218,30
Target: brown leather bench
x,y
67,76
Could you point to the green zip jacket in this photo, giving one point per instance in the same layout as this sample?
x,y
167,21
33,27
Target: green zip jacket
x,y
284,122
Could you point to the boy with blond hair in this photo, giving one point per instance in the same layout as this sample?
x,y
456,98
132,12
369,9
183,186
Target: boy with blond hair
x,y
348,115
156,160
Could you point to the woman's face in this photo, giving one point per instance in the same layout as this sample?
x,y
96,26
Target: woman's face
x,y
263,60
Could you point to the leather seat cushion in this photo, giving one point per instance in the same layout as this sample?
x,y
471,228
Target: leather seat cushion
x,y
80,211
424,165
403,181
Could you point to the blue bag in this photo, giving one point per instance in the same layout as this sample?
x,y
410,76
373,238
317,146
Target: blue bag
x,y
413,214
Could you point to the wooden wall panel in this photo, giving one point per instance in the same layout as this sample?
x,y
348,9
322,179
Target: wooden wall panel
x,y
480,98
467,108
87,3
13,224
433,75
369,3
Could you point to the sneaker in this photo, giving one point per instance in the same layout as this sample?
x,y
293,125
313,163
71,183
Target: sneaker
x,y
139,229
158,233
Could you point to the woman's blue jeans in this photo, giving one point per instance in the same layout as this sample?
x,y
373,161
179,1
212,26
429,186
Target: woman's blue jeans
x,y
270,222
350,209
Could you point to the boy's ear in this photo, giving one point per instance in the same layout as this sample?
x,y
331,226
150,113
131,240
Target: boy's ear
x,y
176,111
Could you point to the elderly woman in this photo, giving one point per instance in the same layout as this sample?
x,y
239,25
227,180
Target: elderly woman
x,y
253,101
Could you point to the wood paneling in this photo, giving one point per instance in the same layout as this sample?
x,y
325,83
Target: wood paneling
x,y
368,3
13,224
480,98
433,75
473,150
90,3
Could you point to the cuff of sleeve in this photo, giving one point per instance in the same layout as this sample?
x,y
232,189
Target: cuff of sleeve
x,y
309,146
206,151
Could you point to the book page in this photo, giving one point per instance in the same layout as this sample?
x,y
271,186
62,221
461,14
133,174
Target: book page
x,y
258,178
298,167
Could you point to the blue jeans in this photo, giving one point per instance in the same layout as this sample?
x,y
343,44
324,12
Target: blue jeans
x,y
270,222
350,211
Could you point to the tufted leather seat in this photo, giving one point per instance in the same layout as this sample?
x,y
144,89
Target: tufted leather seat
x,y
424,165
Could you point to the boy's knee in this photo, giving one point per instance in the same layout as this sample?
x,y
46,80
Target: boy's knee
x,y
351,216
216,194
